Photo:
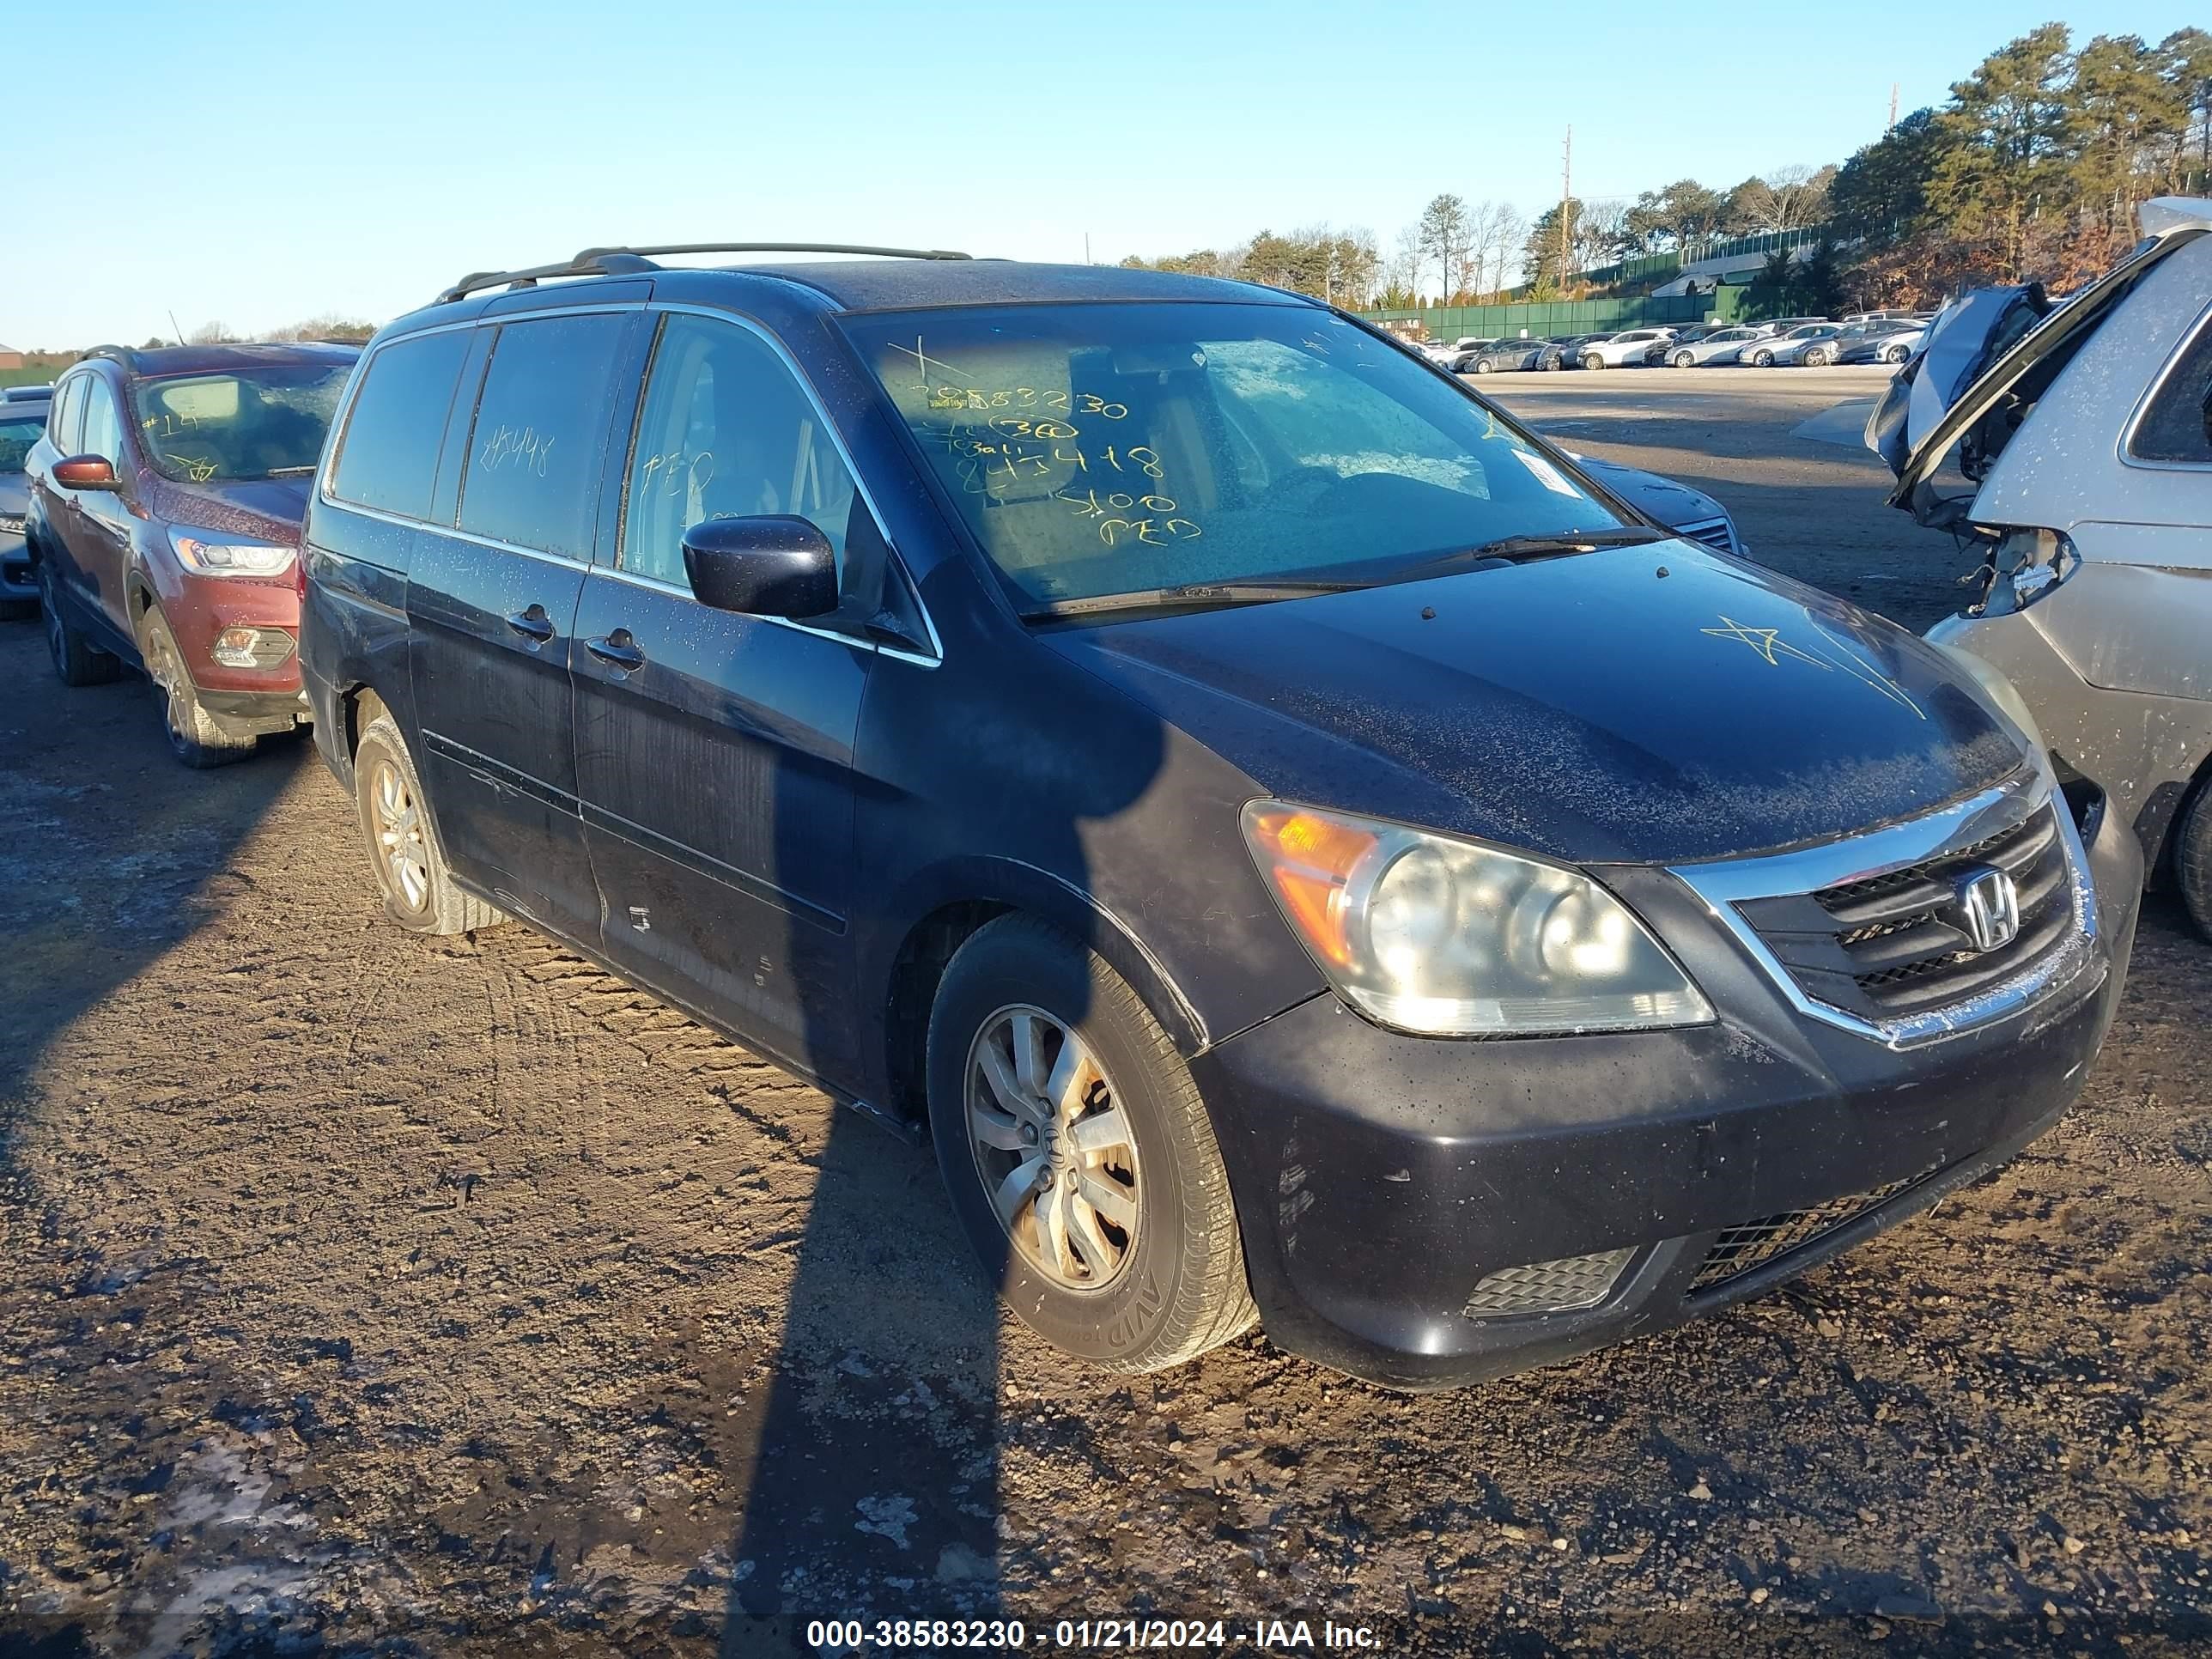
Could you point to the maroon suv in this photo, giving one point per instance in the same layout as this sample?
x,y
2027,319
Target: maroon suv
x,y
164,526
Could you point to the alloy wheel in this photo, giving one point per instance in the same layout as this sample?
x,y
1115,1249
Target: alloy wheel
x,y
399,840
1052,1147
1683,360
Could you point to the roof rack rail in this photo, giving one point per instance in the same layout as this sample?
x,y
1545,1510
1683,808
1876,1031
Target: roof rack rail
x,y
625,261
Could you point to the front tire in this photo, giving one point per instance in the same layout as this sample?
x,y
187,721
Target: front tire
x,y
1892,354
419,893
1816,358
1762,360
2192,859
193,735
1078,1156
1592,360
77,660
1684,360
1482,365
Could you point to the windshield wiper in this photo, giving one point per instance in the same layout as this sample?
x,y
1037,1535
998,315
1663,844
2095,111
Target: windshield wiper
x,y
1513,550
289,471
1185,597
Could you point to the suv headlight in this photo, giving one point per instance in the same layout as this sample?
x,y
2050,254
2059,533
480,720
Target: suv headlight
x,y
217,555
1441,937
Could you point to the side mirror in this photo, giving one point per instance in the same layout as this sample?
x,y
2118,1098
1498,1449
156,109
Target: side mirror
x,y
86,473
769,566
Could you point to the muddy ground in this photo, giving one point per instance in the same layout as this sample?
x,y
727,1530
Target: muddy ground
x,y
368,1295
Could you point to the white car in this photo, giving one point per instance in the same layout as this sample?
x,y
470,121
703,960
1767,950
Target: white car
x,y
1723,346
1619,349
1813,344
1883,340
1463,352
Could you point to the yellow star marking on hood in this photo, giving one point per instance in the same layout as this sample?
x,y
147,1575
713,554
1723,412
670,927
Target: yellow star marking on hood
x,y
1766,641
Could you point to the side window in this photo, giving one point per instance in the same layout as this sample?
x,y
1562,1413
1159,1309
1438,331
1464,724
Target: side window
x,y
389,459
65,423
2178,425
103,424
537,449
725,432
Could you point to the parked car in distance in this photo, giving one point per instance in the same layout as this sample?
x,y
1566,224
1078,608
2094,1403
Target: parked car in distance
x,y
1560,353
166,495
1689,334
1722,345
1881,340
2095,597
1120,720
1810,344
1463,353
1619,350
1504,354
22,423
1688,512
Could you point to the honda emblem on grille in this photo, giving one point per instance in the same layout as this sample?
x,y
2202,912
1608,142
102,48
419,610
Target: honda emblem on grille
x,y
1988,903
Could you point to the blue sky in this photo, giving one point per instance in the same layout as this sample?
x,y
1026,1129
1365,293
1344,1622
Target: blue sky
x,y
258,164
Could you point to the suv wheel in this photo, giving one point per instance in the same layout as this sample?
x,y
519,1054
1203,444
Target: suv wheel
x,y
2192,859
1078,1156
194,737
419,893
77,660
1591,360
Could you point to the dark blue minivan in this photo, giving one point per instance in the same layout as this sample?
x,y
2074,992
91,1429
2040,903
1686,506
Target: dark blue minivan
x,y
1303,848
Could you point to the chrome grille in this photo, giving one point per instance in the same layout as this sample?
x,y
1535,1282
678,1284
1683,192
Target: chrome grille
x,y
1899,944
1715,533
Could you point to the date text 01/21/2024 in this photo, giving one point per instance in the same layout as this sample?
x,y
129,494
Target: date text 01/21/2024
x,y
1090,1635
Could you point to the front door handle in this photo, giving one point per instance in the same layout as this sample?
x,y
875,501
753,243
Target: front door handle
x,y
618,650
532,624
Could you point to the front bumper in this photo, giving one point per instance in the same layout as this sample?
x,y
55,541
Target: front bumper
x,y
1380,1178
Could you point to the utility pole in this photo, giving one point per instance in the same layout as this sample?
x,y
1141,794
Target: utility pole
x,y
1892,106
1566,195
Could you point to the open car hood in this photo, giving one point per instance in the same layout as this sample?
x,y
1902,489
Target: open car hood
x,y
1983,348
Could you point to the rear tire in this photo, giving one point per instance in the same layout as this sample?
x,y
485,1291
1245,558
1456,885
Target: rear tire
x,y
77,660
2192,859
419,893
194,736
1168,1280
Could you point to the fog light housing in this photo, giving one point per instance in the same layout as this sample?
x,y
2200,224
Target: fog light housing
x,y
1568,1284
251,647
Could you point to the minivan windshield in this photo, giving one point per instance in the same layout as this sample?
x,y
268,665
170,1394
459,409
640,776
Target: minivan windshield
x,y
249,423
1098,449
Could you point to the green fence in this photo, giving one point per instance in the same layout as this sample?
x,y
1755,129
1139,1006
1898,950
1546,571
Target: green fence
x,y
1565,316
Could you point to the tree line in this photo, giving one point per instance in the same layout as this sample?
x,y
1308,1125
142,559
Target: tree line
x,y
2033,168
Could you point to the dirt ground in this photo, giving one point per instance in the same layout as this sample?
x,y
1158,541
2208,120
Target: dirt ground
x,y
364,1295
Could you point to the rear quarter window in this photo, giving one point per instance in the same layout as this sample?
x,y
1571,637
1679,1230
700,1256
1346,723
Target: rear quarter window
x,y
538,446
2174,430
388,459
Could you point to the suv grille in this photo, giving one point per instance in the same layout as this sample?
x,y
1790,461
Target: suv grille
x,y
1897,944
1746,1248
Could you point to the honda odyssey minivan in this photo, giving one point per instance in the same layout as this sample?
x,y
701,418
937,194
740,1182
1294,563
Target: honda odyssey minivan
x,y
1303,849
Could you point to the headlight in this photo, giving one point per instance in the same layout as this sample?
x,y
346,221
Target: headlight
x,y
2001,691
1438,935
232,556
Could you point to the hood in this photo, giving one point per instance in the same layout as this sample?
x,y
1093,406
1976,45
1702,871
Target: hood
x,y
1589,708
270,509
1990,354
1672,504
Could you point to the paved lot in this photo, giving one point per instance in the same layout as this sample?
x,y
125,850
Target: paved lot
x,y
364,1295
